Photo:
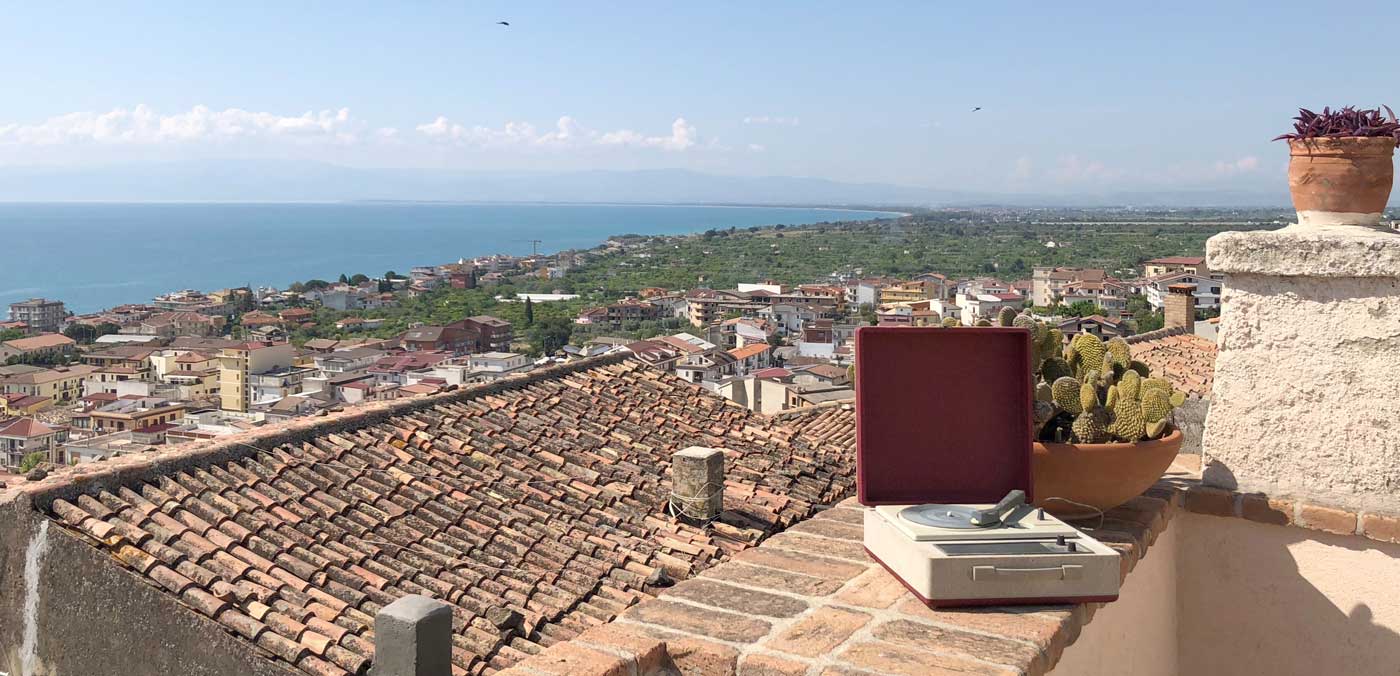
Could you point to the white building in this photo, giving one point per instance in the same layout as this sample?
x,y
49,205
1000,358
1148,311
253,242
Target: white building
x,y
1207,289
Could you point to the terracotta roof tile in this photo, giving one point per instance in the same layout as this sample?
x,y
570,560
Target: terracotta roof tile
x,y
537,509
1185,359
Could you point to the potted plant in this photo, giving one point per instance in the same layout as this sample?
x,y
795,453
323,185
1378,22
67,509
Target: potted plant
x,y
1339,169
1104,423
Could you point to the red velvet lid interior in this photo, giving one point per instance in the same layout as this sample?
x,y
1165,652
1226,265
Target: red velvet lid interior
x,y
942,414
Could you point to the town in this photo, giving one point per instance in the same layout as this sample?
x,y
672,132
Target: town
x,y
196,365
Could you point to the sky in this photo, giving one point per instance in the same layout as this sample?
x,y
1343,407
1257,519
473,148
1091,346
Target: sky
x,y
1074,96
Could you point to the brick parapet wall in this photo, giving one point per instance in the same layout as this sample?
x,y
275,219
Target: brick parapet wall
x,y
809,602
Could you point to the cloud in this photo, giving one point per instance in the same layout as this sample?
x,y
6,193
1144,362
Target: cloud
x,y
758,148
142,125
1244,165
1073,169
773,119
1022,169
567,132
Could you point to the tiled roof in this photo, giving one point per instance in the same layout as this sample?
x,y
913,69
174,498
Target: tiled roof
x,y
535,506
25,428
1185,359
41,342
749,351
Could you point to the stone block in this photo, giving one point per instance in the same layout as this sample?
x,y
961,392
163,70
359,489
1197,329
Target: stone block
x,y
1304,400
413,637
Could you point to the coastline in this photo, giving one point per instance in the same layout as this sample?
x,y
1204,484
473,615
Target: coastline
x,y
323,248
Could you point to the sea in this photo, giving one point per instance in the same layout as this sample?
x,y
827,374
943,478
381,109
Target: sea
x,y
97,255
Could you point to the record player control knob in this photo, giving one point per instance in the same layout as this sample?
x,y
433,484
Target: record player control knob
x,y
1040,515
1060,540
1072,547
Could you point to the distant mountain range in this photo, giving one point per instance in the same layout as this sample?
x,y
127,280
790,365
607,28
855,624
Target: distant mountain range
x,y
276,181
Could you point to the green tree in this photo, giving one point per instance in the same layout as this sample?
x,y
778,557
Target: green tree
x,y
358,278
1148,321
82,333
529,312
11,334
775,340
344,279
1084,308
31,461
550,334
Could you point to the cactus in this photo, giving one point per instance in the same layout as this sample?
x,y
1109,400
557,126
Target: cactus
x,y
1088,397
1156,429
1155,384
1065,393
1128,423
1156,405
1091,426
1055,368
1118,352
1129,385
1091,391
1089,351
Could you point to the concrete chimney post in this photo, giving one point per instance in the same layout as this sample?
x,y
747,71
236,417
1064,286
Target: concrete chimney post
x,y
697,483
413,637
1307,377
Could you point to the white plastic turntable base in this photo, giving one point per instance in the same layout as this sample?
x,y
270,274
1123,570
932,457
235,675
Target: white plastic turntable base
x,y
1032,559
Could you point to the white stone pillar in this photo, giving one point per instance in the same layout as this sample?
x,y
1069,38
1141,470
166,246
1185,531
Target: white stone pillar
x,y
1306,401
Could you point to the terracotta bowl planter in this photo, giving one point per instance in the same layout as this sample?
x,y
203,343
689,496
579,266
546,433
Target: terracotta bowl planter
x,y
1340,182
1102,475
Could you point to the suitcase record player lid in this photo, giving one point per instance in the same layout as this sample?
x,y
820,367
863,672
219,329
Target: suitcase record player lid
x,y
943,415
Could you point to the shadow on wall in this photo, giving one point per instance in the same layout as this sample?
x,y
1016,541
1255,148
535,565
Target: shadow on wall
x,y
1262,599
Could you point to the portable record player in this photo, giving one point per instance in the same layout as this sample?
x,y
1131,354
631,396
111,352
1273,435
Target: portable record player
x,y
944,433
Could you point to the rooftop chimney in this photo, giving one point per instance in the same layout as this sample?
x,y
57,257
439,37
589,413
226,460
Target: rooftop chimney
x,y
1180,307
697,483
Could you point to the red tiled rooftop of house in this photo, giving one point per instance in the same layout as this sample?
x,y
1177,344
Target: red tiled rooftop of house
x,y
535,506
41,342
749,351
1186,360
25,428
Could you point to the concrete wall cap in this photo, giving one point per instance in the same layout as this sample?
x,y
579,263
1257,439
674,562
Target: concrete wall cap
x,y
1289,253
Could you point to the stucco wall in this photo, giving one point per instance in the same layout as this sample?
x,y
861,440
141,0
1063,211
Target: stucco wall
x,y
1306,398
1261,599
85,616
1137,634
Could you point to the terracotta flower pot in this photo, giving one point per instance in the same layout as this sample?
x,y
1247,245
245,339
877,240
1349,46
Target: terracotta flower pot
x,y
1101,475
1340,182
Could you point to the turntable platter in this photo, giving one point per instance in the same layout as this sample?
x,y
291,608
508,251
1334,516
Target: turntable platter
x,y
942,516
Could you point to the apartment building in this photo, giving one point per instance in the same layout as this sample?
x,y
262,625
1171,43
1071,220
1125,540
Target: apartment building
x,y
59,385
40,314
238,364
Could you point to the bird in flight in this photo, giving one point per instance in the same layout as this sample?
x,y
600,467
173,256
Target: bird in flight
x,y
977,109
503,23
